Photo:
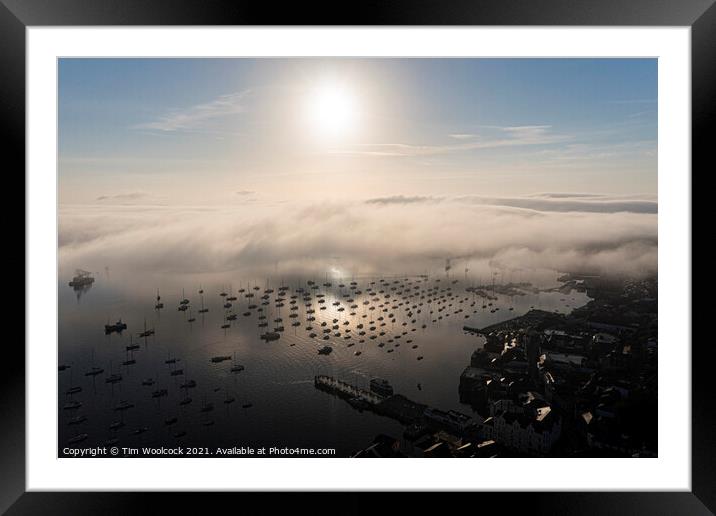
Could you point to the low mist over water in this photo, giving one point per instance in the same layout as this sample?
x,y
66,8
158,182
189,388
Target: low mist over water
x,y
391,235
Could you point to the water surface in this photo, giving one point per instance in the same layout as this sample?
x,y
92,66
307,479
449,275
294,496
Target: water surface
x,y
286,409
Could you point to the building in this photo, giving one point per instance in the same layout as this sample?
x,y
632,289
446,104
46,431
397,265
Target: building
x,y
531,428
451,420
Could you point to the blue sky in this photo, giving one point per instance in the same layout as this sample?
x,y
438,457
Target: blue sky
x,y
206,130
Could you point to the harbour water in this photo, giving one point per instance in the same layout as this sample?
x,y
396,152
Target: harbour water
x,y
272,401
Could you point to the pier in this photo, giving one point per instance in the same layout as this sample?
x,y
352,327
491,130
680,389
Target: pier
x,y
397,407
345,390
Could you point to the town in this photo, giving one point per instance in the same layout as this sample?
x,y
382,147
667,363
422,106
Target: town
x,y
543,384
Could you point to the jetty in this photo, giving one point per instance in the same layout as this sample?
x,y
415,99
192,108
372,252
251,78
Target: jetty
x,y
345,390
396,406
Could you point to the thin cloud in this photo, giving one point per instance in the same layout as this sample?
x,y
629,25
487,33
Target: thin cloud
x,y
131,196
574,154
565,195
603,196
193,117
402,199
632,101
640,114
547,202
508,136
572,204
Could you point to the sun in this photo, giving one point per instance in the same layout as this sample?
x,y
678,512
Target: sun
x,y
332,110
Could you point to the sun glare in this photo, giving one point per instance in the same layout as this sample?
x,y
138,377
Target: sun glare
x,y
332,110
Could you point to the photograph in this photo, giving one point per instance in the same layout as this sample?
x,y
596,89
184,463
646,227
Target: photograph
x,y
357,257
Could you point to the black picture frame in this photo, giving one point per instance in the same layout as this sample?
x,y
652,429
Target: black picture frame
x,y
700,15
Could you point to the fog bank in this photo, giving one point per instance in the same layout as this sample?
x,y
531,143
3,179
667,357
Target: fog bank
x,y
401,234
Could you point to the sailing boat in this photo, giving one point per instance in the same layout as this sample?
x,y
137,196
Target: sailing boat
x,y
94,371
207,406
236,368
73,389
146,332
202,310
132,346
183,303
226,323
159,304
130,357
113,377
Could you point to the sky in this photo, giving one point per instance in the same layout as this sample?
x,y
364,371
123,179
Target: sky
x,y
198,131
197,166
